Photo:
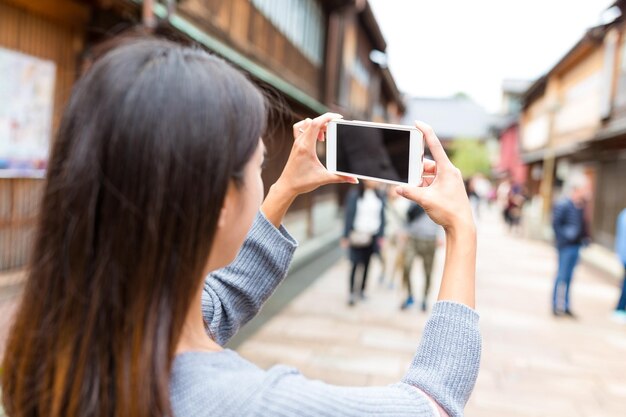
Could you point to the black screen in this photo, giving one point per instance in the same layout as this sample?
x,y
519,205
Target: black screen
x,y
373,152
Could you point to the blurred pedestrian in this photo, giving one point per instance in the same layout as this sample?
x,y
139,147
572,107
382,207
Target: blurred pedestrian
x,y
380,249
571,231
483,189
474,198
363,232
620,248
393,248
492,196
513,210
502,196
421,241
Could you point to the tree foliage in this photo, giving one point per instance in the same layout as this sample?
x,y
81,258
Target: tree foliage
x,y
471,157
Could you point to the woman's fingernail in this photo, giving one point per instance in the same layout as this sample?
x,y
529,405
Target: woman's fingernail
x,y
400,190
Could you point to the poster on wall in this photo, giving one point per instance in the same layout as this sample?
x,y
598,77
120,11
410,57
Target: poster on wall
x,y
26,106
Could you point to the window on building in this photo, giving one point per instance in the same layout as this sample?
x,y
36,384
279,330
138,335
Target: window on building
x,y
623,53
360,72
620,99
301,21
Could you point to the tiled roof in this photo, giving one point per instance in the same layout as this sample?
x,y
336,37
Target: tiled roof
x,y
456,117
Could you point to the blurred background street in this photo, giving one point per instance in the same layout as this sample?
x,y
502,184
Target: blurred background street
x,y
528,99
533,364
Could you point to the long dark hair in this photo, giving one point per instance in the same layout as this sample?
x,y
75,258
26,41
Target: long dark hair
x,y
153,134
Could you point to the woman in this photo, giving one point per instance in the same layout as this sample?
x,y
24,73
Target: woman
x,y
363,232
151,252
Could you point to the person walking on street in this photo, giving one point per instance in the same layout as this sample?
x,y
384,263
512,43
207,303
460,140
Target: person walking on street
x,y
421,240
620,249
514,208
502,197
363,232
396,209
571,231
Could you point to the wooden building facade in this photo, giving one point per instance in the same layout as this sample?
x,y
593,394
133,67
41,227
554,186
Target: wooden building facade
x,y
574,122
311,55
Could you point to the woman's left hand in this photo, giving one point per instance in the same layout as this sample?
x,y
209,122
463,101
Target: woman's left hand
x,y
303,171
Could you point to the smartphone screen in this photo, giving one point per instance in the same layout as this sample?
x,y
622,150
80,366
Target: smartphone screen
x,y
373,152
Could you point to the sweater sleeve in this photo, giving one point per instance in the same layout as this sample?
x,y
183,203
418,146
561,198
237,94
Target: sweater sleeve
x,y
447,361
233,295
289,394
445,367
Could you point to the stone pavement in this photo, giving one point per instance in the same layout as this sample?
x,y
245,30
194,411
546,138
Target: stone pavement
x,y
533,364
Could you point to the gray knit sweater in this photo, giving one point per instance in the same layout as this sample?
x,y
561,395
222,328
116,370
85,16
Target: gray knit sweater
x,y
224,384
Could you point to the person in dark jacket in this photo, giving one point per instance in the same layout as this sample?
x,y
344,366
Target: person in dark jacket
x,y
363,232
571,231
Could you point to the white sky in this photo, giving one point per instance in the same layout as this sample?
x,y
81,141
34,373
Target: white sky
x,y
441,47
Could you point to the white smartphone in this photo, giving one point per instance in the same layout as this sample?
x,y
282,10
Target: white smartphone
x,y
387,153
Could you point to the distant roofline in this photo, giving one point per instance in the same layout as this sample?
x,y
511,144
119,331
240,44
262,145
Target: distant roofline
x,y
516,80
468,98
441,98
373,28
592,35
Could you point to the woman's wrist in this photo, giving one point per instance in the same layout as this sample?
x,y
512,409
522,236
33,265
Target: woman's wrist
x,y
283,190
277,202
463,230
458,281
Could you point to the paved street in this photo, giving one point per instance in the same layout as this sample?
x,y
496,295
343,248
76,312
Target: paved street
x,y
533,364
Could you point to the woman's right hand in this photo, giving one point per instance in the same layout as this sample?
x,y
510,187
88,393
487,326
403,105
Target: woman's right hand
x,y
442,195
442,192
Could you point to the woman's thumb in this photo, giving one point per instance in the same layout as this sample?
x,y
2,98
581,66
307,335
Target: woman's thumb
x,y
339,179
412,193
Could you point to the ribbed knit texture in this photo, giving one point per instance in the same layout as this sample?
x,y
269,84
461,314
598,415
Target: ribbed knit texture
x,y
234,295
447,360
224,384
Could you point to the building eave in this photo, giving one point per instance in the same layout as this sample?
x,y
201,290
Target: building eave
x,y
372,28
220,48
390,85
543,153
591,39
